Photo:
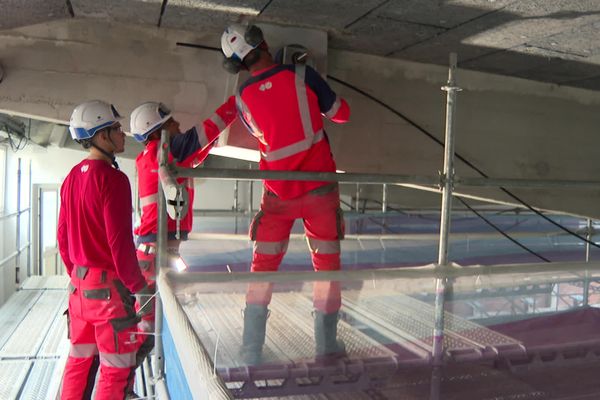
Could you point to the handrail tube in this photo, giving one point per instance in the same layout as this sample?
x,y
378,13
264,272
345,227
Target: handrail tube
x,y
351,177
242,174
428,271
9,257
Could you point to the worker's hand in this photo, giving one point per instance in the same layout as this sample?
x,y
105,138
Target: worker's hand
x,y
144,302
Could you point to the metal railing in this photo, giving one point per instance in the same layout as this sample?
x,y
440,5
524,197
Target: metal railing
x,y
442,272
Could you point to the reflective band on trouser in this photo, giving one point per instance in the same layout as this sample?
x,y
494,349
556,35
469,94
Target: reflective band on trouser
x,y
83,350
323,246
148,200
218,121
202,138
271,247
125,360
334,108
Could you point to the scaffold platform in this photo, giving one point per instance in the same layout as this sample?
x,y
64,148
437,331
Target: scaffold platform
x,y
33,339
387,325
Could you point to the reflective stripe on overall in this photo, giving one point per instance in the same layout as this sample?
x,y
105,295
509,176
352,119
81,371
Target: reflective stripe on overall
x,y
101,321
324,228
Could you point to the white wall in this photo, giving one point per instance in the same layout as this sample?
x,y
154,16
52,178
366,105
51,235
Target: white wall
x,y
52,164
213,194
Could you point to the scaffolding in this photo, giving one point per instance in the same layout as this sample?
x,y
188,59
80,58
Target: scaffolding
x,y
443,341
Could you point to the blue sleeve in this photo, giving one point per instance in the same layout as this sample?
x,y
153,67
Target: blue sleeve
x,y
184,145
318,85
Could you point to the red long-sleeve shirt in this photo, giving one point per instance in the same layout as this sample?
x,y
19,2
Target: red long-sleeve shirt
x,y
94,224
189,149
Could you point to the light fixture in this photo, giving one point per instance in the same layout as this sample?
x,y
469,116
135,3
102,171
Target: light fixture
x,y
180,265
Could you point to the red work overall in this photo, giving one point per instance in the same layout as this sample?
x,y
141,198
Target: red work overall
x,y
101,322
283,107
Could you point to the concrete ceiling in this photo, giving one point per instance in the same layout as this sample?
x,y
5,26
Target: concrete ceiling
x,y
555,41
57,53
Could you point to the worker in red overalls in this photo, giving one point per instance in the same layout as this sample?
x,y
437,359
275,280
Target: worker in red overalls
x,y
283,107
96,244
188,150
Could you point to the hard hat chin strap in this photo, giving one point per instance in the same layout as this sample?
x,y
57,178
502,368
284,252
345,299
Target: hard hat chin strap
x,y
111,156
252,58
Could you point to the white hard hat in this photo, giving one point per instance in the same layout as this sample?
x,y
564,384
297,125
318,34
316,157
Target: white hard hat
x,y
90,117
147,118
237,43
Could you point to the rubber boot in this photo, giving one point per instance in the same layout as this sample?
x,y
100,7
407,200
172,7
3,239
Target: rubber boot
x,y
326,342
253,337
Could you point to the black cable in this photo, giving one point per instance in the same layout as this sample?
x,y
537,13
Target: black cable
x,y
383,225
461,158
15,147
502,232
198,46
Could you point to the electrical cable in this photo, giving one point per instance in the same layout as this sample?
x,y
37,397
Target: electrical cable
x,y
506,235
461,158
438,141
15,147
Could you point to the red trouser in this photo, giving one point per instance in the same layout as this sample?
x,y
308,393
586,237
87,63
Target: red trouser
x,y
146,255
101,321
324,227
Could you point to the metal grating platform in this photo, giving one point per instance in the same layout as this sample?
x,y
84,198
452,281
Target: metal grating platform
x,y
14,310
27,338
12,376
46,282
409,322
44,379
218,322
33,340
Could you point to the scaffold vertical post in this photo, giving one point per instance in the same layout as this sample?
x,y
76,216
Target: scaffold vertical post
x,y
235,195
250,193
447,181
384,199
589,235
18,230
161,258
586,282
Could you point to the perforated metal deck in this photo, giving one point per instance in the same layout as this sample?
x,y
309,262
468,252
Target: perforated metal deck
x,y
410,322
33,340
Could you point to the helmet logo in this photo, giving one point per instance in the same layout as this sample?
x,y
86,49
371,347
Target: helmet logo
x,y
84,168
233,39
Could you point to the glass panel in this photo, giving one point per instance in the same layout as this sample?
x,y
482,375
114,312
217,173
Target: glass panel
x,y
48,222
24,238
